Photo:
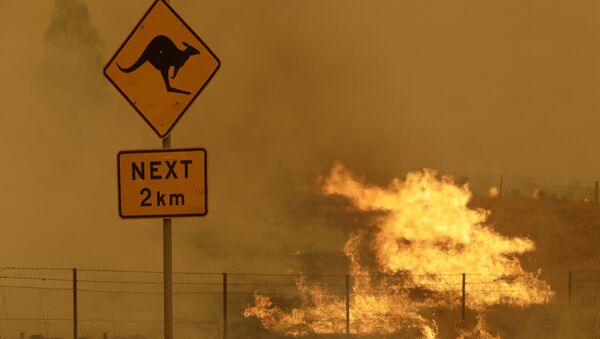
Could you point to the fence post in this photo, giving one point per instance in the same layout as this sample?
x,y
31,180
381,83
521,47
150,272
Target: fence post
x,y
224,305
500,186
596,192
74,303
348,304
462,306
570,287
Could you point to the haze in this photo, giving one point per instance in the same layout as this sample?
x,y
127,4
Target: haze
x,y
460,86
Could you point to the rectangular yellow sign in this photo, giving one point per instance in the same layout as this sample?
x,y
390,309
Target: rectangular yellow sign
x,y
162,183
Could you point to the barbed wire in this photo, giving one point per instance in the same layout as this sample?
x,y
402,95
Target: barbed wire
x,y
37,287
111,320
101,270
133,282
390,289
515,177
102,291
554,181
232,274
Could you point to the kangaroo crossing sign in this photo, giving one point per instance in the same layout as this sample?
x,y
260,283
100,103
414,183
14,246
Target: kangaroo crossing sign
x,y
162,183
161,67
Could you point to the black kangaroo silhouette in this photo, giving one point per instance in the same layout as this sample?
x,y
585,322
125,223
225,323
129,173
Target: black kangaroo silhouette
x,y
163,54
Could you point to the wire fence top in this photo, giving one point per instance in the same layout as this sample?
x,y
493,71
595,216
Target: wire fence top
x,y
248,274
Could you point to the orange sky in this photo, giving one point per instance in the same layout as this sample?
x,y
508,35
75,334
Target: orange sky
x,y
461,86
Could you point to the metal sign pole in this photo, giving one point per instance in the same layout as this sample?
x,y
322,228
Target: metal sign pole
x,y
161,110
168,263
167,266
75,303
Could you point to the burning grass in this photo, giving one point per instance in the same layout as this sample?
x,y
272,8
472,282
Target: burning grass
x,y
423,236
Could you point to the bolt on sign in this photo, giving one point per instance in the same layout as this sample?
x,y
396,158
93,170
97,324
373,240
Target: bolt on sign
x,y
162,183
162,67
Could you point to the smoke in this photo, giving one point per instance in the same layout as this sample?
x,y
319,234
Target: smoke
x,y
460,87
302,85
72,55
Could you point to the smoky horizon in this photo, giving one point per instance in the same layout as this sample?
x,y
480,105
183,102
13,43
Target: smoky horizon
x,y
498,96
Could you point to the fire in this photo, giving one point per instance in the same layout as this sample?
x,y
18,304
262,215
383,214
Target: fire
x,y
480,331
423,238
494,192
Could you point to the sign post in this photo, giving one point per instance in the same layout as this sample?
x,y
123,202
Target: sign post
x,y
160,69
167,266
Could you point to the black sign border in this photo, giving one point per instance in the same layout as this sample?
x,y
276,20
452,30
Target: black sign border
x,y
203,150
195,95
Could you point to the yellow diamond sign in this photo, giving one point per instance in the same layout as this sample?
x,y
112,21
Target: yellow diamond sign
x,y
162,67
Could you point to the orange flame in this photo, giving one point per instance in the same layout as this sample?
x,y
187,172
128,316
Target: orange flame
x,y
494,192
480,331
425,237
